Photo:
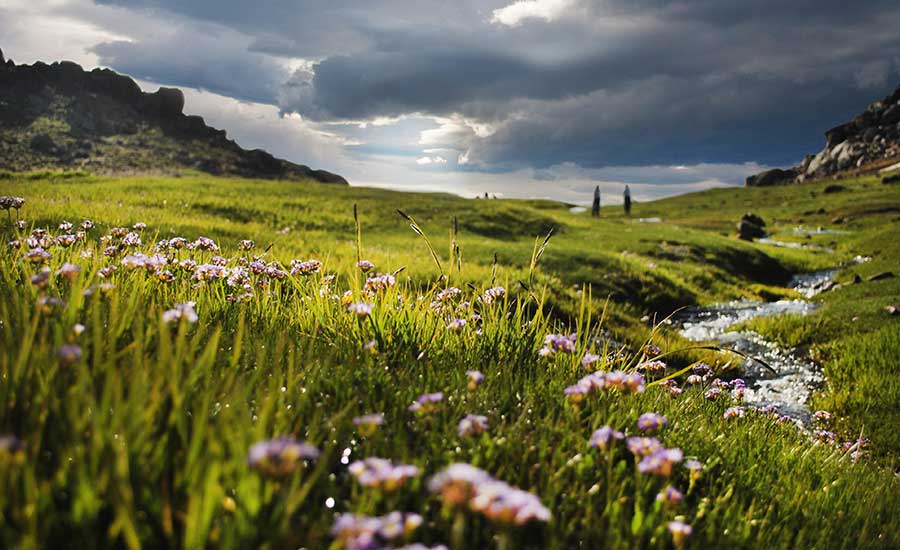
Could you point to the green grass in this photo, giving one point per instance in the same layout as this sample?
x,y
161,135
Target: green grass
x,y
143,441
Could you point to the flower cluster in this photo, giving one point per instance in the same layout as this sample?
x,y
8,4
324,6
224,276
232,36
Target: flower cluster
x,y
492,295
365,266
382,474
653,457
181,311
308,267
604,437
426,403
368,423
356,532
652,367
380,282
603,382
558,343
280,457
475,379
472,424
361,309
465,485
7,202
650,422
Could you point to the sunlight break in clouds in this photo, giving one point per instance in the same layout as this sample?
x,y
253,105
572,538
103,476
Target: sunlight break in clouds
x,y
425,161
513,14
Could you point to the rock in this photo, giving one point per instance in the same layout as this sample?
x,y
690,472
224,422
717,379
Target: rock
x,y
869,134
776,176
751,227
856,279
165,103
839,134
892,310
891,179
2,59
118,86
881,276
891,115
834,188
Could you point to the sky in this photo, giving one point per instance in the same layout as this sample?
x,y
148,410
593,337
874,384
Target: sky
x,y
517,98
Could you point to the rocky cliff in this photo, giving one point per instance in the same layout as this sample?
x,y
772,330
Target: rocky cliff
x,y
868,143
61,116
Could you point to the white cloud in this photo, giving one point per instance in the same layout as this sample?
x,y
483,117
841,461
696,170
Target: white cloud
x,y
514,14
425,161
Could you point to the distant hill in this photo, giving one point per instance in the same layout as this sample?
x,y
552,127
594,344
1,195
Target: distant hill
x,y
61,116
868,143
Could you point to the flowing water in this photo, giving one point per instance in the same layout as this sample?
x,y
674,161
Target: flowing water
x,y
795,377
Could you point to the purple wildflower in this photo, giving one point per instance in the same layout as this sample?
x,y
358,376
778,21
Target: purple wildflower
x,y
651,421
472,424
643,446
181,311
670,495
734,412
494,294
382,474
604,437
368,423
365,266
560,343
68,355
660,462
360,309
680,531
426,403
475,379
357,532
280,457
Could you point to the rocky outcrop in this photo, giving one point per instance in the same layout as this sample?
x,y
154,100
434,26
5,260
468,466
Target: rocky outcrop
x,y
866,144
61,116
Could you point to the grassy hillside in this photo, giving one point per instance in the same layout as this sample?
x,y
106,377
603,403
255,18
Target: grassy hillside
x,y
141,438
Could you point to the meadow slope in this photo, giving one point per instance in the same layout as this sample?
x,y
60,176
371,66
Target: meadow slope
x,y
130,423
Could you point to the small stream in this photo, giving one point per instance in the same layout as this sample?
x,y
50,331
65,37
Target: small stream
x,y
796,378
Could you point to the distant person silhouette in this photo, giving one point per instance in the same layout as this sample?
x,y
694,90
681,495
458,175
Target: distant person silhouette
x,y
627,196
595,208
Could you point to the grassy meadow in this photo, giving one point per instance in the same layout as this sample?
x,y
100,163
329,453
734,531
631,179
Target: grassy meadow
x,y
128,422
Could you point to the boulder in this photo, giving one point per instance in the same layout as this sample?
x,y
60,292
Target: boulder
x,y
751,227
2,59
839,134
775,176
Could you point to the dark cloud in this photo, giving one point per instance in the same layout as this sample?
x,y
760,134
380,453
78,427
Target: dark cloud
x,y
202,57
611,83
